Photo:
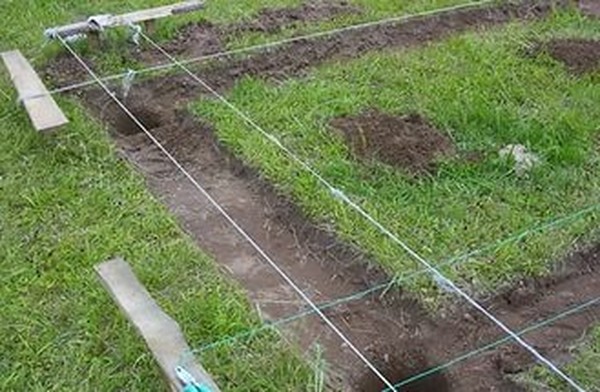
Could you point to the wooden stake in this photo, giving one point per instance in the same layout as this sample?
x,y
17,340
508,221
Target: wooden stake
x,y
161,333
41,107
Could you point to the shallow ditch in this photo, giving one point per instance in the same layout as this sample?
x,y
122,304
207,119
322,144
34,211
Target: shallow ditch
x,y
392,330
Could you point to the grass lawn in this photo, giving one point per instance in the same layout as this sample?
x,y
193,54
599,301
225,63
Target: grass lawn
x,y
585,368
485,94
68,202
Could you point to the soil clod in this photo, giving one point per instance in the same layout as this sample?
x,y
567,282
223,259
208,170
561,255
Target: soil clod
x,y
410,142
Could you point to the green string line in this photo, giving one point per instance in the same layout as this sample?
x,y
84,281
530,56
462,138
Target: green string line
x,y
554,223
498,342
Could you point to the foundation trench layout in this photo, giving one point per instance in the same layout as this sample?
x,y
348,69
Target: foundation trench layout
x,y
392,330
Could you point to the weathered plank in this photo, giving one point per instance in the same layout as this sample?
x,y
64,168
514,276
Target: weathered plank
x,y
161,333
99,22
41,107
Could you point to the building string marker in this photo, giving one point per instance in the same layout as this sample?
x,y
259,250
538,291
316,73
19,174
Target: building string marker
x,y
339,194
231,221
457,260
273,44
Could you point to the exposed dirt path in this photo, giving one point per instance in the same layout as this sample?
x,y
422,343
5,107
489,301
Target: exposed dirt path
x,y
393,330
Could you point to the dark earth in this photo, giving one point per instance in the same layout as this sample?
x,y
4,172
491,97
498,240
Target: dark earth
x,y
200,38
393,330
409,142
580,56
590,7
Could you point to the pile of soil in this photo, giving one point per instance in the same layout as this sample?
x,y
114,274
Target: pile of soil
x,y
590,7
295,58
202,38
579,55
271,20
409,142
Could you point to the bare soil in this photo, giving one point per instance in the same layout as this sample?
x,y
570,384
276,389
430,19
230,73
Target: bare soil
x,y
580,56
283,62
393,330
590,7
201,38
409,142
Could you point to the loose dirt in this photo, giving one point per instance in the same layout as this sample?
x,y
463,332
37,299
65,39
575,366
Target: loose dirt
x,y
580,56
590,7
201,38
294,59
392,330
409,142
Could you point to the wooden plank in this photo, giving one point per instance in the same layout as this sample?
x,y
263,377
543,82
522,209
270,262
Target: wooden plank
x,y
161,333
99,22
41,107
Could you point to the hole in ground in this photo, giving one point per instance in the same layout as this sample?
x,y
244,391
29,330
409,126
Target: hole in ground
x,y
401,367
124,125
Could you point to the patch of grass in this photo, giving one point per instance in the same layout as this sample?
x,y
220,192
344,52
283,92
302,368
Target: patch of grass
x,y
68,203
585,369
368,10
484,92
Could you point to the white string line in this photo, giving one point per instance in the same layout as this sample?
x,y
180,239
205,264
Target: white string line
x,y
5,94
394,19
231,221
440,278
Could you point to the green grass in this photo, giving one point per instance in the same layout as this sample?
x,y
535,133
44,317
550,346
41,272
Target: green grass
x,y
69,203
585,369
483,92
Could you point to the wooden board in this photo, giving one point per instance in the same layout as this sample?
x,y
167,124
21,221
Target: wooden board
x,y
161,333
42,109
95,23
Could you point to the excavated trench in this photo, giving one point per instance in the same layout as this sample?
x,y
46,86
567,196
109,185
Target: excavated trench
x,y
393,330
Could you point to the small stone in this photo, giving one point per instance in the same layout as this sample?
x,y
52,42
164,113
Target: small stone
x,y
524,160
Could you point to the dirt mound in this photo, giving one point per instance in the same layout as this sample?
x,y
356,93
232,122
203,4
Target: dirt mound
x,y
410,142
271,20
195,39
590,7
203,38
579,55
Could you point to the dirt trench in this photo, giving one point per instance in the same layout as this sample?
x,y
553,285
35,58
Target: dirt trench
x,y
392,330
